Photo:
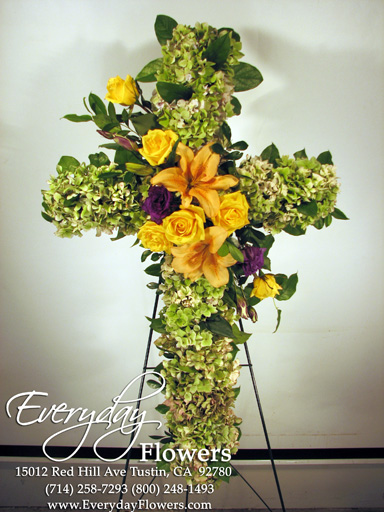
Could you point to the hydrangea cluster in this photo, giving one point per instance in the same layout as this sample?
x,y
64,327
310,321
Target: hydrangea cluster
x,y
200,369
81,200
277,195
198,118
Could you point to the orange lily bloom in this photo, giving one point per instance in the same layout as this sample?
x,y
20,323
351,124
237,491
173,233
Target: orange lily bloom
x,y
196,177
201,258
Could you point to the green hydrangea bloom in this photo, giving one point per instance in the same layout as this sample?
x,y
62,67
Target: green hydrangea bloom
x,y
276,195
198,119
200,369
80,200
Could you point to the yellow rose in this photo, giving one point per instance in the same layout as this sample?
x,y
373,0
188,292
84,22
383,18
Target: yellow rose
x,y
185,226
153,237
233,213
265,286
157,145
122,91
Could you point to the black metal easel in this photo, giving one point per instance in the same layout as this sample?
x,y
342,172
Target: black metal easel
x,y
257,396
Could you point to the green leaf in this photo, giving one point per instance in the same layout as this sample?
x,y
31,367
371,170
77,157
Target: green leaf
x,y
325,158
226,131
235,349
246,77
119,235
338,214
99,159
278,320
170,92
267,242
224,250
236,391
153,286
218,51
110,145
218,148
112,112
255,237
309,209
97,104
46,217
171,159
253,301
109,174
139,169
144,122
123,156
162,409
241,145
103,121
228,299
156,324
125,116
234,34
218,325
162,464
328,220
164,26
236,106
77,119
153,270
145,255
153,384
319,224
148,73
235,155
267,263
270,153
294,230
239,337
235,252
299,155
288,284
159,367
67,162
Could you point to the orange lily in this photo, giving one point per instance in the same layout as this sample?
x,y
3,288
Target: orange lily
x,y
196,177
201,258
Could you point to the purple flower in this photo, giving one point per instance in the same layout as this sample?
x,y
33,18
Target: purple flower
x,y
159,203
253,259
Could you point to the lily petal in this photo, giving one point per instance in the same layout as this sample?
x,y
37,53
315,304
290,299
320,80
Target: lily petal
x,y
186,157
172,179
223,182
216,274
205,164
209,199
215,236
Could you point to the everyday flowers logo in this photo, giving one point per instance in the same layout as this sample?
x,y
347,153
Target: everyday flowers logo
x,y
205,215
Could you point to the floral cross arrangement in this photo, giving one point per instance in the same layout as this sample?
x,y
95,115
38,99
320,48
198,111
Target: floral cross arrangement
x,y
205,215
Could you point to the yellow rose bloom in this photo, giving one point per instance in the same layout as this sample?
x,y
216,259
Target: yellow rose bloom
x,y
122,91
265,286
185,226
157,145
233,212
153,237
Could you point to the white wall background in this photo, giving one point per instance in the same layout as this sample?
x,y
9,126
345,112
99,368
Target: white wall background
x,y
73,311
